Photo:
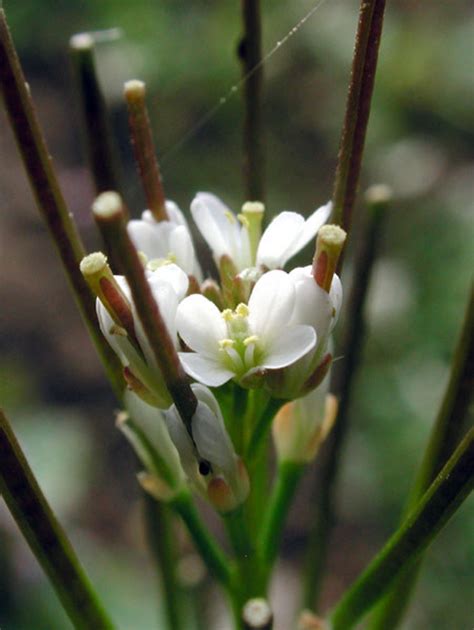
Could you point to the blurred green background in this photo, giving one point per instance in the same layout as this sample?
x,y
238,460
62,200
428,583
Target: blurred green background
x,y
420,141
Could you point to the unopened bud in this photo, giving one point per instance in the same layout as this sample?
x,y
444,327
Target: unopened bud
x,y
299,428
233,289
310,621
212,291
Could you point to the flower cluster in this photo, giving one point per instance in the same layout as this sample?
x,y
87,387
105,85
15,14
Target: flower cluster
x,y
253,327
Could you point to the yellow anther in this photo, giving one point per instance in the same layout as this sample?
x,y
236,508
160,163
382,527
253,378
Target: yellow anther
x,y
230,216
242,310
251,339
243,219
227,314
226,343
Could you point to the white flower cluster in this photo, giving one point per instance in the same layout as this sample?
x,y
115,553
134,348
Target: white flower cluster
x,y
262,327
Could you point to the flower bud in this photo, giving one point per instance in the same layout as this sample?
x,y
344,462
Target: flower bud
x,y
145,428
209,459
301,426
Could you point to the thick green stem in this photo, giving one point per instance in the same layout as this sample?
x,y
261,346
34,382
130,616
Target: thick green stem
x,y
444,435
441,500
288,477
100,150
257,438
159,522
212,555
248,584
324,504
250,52
48,195
45,537
359,99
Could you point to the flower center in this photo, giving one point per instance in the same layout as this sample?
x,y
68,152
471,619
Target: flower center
x,y
241,349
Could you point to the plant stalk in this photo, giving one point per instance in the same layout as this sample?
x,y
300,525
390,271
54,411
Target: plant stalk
x,y
45,536
450,488
324,504
159,521
358,104
99,145
48,195
250,53
444,435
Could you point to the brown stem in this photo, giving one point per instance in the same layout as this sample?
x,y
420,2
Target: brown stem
x,y
250,52
359,99
48,195
144,148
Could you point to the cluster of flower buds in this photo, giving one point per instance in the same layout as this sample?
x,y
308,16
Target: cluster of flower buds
x,y
257,326
177,333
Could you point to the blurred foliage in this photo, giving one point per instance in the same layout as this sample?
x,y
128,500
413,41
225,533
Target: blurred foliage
x,y
420,141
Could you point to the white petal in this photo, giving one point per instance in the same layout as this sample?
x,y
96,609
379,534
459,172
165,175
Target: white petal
x,y
292,344
212,440
278,238
200,324
271,304
146,239
182,248
152,423
335,293
212,217
205,369
174,276
174,213
310,229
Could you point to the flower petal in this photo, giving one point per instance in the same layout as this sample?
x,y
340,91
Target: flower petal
x,y
200,324
310,229
205,369
271,304
174,276
278,238
290,346
146,239
217,224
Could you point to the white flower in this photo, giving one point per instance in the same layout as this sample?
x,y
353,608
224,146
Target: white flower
x,y
169,284
236,344
229,235
320,310
165,240
211,463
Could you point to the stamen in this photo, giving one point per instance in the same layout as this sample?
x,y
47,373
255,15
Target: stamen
x,y
243,219
227,314
224,344
229,215
252,339
242,310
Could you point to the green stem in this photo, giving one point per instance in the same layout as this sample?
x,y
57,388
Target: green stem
x,y
48,195
446,430
288,477
257,439
159,522
250,52
441,500
324,504
45,536
215,560
100,151
244,549
359,99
